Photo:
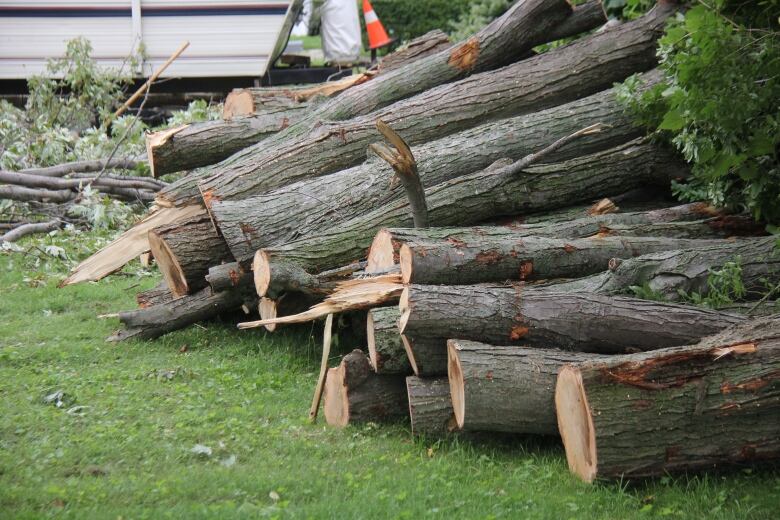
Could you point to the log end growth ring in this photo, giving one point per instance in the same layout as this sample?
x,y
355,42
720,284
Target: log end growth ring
x,y
405,259
575,423
336,407
373,358
381,253
169,266
403,306
261,267
267,310
410,354
238,103
455,377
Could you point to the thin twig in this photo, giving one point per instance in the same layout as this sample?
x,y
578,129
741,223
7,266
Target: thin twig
x,y
765,298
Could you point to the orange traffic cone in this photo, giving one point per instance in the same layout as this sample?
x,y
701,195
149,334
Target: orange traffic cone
x,y
377,36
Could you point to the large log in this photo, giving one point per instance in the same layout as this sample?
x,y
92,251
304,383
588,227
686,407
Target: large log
x,y
157,320
154,296
427,356
385,349
506,388
430,406
229,276
185,251
585,322
200,144
687,270
530,85
488,194
496,254
697,407
355,394
310,206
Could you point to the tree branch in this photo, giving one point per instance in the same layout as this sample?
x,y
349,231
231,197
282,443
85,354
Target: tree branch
x,y
29,229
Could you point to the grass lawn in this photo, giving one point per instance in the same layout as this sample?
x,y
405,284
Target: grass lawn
x,y
128,452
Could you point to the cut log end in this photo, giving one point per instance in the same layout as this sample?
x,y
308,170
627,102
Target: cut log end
x,y
261,266
403,305
371,340
336,407
238,103
405,259
155,140
455,376
267,309
410,354
575,423
381,255
169,266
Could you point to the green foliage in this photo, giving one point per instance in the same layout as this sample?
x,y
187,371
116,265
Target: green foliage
x,y
481,13
724,287
627,9
719,106
646,292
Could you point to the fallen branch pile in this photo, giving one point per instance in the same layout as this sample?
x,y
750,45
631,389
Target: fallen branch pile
x,y
499,237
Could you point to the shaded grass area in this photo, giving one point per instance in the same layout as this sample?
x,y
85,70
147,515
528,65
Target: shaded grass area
x,y
245,396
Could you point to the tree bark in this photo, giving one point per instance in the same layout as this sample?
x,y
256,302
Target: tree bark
x,y
23,194
429,43
61,170
355,394
202,144
586,322
155,296
385,349
696,407
430,406
185,251
528,86
30,229
311,206
427,356
157,320
495,254
272,278
670,272
104,183
228,276
506,388
484,195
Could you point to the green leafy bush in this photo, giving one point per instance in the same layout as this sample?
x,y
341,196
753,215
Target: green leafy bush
x,y
719,104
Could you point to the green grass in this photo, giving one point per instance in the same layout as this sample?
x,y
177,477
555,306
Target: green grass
x,y
246,394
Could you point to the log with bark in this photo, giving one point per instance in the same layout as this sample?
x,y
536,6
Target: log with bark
x,y
385,348
185,251
697,407
430,406
355,394
429,43
156,295
314,205
528,86
30,228
272,279
490,193
162,318
427,356
586,322
506,388
228,276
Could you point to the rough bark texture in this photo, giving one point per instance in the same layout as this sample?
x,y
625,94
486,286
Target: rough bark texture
x,y
30,229
185,251
528,86
201,144
385,348
506,388
430,406
355,394
585,322
154,321
495,254
420,47
686,408
314,205
667,273
584,17
154,296
483,195
273,278
428,356
228,276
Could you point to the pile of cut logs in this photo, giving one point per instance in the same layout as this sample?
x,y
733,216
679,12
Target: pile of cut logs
x,y
525,323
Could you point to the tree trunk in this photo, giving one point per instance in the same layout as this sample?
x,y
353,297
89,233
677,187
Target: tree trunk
x,y
185,251
495,254
355,394
668,273
586,322
202,144
152,322
311,206
430,406
272,279
429,43
227,276
506,389
385,348
428,356
697,407
563,74
484,195
155,296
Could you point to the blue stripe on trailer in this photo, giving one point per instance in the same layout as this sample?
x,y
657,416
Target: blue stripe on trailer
x,y
120,12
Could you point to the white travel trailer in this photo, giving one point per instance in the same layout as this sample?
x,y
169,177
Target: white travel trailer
x,y
228,38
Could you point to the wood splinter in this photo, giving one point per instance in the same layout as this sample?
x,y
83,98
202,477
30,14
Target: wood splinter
x,y
402,161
